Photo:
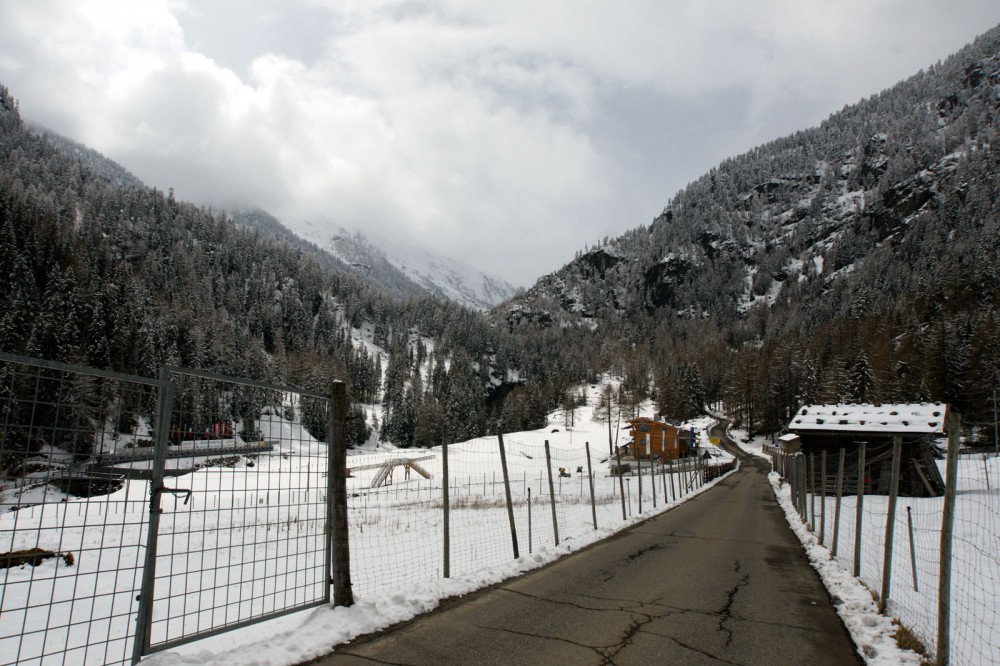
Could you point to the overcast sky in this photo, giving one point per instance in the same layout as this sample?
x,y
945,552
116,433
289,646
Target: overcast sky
x,y
506,133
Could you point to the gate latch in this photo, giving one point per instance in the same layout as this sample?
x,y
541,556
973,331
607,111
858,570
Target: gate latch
x,y
177,492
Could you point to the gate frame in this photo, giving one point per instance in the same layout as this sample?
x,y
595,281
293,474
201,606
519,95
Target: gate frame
x,y
147,597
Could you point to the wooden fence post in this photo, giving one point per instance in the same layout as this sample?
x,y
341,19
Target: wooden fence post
x,y
552,493
638,463
343,595
890,523
590,479
510,503
836,503
859,511
621,482
947,530
446,508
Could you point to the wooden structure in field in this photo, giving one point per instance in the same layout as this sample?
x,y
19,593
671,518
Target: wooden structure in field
x,y
652,439
386,469
831,428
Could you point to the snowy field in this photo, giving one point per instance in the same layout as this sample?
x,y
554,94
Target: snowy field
x,y
248,540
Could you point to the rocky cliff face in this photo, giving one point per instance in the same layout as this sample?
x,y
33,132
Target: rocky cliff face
x,y
785,222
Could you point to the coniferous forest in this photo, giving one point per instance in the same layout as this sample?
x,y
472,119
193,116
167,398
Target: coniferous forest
x,y
855,261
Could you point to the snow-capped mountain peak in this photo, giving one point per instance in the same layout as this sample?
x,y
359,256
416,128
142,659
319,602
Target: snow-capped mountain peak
x,y
436,274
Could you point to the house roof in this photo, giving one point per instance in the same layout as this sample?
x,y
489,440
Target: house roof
x,y
902,419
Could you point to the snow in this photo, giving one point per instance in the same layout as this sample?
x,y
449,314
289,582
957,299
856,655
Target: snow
x,y
443,276
919,418
913,594
873,633
395,540
401,524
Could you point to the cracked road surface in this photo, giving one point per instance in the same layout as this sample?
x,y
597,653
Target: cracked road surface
x,y
720,579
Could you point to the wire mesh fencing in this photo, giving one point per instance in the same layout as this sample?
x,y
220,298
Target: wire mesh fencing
x,y
403,533
137,514
245,538
859,536
72,529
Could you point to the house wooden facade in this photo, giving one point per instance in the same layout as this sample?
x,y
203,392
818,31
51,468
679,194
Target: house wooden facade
x,y
831,428
657,440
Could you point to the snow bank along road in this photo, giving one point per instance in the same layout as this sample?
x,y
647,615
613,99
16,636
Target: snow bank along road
x,y
719,579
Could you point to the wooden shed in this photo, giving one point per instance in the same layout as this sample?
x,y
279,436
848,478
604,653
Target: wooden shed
x,y
831,428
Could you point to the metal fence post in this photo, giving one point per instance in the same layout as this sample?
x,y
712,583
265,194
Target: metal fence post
x,y
836,503
699,470
913,549
510,503
793,478
804,494
590,479
890,524
144,615
947,530
652,480
552,492
343,595
530,542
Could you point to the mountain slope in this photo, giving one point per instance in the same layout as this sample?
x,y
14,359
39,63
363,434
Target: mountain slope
x,y
864,252
420,276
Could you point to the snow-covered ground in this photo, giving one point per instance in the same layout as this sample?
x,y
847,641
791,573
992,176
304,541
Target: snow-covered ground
x,y
397,547
265,515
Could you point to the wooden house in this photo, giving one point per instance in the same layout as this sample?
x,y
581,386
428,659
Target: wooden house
x,y
657,440
831,428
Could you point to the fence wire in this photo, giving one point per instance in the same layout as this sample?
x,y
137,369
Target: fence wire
x,y
916,559
245,538
138,514
72,530
975,609
241,491
397,516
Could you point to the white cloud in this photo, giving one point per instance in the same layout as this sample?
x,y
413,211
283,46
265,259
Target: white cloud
x,y
508,132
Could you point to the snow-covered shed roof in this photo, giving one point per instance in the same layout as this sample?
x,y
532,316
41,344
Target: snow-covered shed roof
x,y
901,419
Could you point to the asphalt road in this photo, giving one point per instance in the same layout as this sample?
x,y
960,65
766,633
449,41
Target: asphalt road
x,y
720,579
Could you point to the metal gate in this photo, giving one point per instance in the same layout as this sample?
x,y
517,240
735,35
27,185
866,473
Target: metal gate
x,y
139,514
245,538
